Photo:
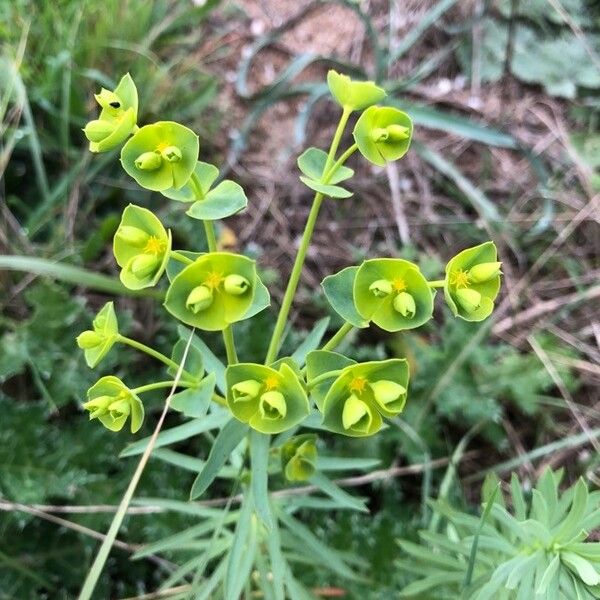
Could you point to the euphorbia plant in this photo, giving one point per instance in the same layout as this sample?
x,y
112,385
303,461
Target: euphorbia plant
x,y
315,387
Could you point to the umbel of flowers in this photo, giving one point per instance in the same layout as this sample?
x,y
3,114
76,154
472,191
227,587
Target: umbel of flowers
x,y
211,290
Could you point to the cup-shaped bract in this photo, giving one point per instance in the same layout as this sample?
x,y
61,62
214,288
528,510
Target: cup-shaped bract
x,y
161,155
392,293
269,400
214,291
117,118
472,282
97,342
141,247
353,95
299,457
362,394
383,134
112,403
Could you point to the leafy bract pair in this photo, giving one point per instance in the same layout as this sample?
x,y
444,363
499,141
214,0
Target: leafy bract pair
x,y
394,294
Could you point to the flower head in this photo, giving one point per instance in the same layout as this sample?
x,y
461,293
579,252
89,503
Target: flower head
x,y
353,95
97,342
299,457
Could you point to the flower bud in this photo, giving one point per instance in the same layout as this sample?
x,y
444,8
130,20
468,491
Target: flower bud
x,y
89,339
96,131
236,285
404,303
98,406
356,414
468,299
109,101
272,405
381,288
387,392
132,235
171,154
397,133
245,391
484,271
144,265
148,161
199,299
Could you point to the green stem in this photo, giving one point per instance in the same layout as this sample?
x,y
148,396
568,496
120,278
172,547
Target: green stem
x,y
211,238
196,186
180,257
160,384
337,338
230,345
323,377
154,353
219,400
438,283
290,292
340,161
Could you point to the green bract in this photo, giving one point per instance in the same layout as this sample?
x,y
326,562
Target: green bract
x,y
141,247
161,156
112,402
364,393
353,95
392,293
472,282
299,457
213,292
383,134
269,400
117,119
97,342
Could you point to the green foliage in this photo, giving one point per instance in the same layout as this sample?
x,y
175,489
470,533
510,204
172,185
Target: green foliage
x,y
353,95
97,342
529,549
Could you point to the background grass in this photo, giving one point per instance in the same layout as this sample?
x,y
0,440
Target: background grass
x,y
507,147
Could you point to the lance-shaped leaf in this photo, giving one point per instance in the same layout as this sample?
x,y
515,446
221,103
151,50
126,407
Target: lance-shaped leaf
x,y
269,400
339,291
216,290
383,134
141,247
299,457
161,155
353,95
97,342
117,119
224,200
472,282
112,403
319,362
362,394
392,293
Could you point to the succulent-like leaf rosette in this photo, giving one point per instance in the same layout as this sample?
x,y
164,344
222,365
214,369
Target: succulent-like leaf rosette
x,y
117,119
112,403
472,282
269,400
141,247
383,134
392,293
362,394
97,342
353,95
299,457
213,292
161,155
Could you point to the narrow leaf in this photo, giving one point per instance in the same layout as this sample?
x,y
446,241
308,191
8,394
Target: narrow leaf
x,y
259,457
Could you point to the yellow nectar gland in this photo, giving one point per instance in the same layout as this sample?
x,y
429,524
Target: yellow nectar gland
x,y
271,383
460,279
358,384
154,245
399,284
213,280
162,146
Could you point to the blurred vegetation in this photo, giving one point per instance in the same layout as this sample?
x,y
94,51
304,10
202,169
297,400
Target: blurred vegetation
x,y
470,387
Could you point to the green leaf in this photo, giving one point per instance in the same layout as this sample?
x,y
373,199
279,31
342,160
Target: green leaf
x,y
333,191
211,362
193,359
311,341
572,523
278,565
549,574
259,458
338,290
194,402
225,200
340,463
582,567
334,491
206,175
225,443
312,163
261,300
